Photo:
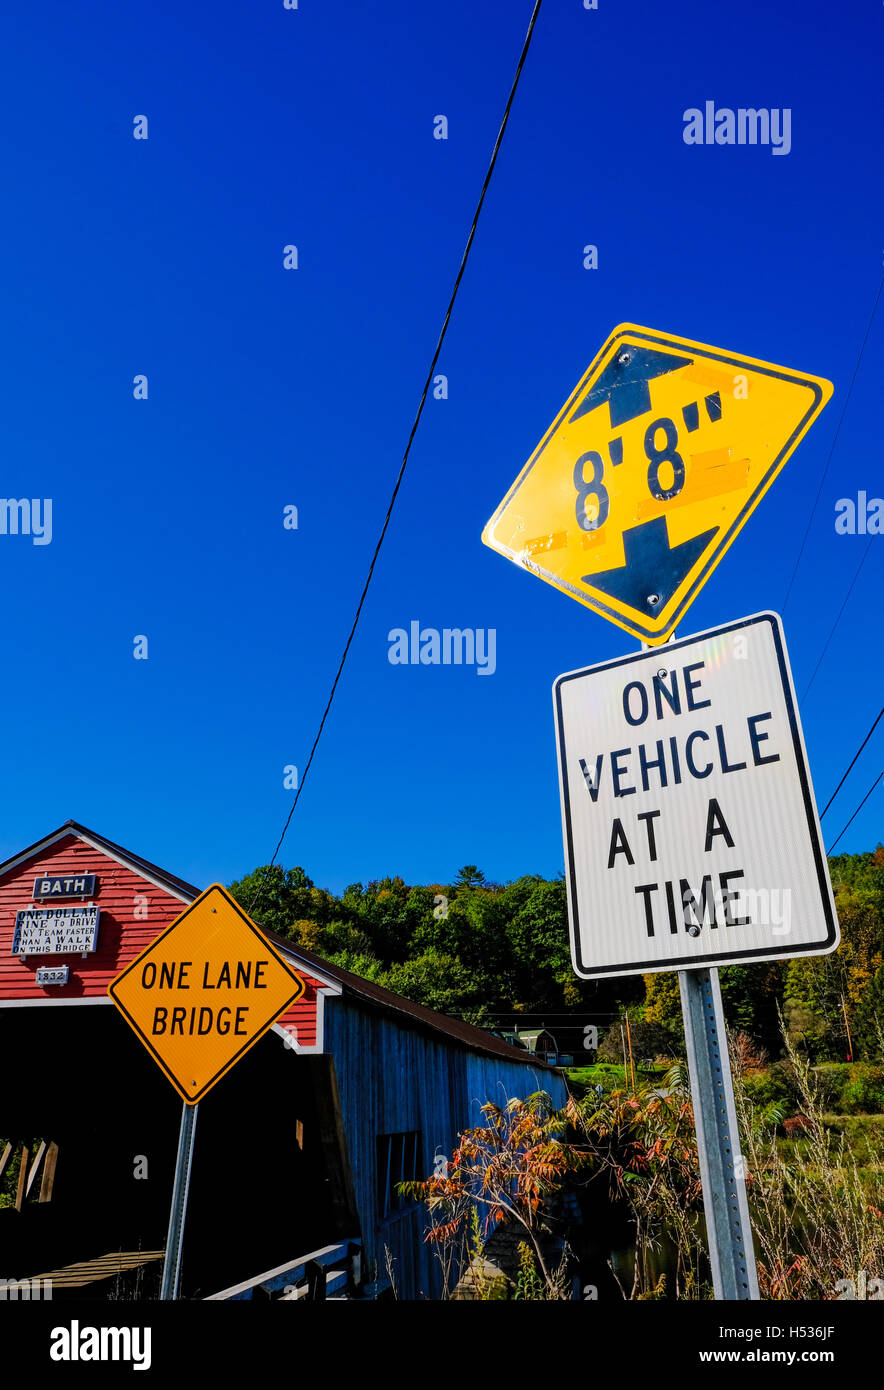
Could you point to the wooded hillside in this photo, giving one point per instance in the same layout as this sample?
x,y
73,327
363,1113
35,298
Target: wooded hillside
x,y
482,950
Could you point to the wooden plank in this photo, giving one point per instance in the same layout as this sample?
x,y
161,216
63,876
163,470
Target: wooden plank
x,y
49,1173
77,1276
336,1287
4,1159
341,1190
35,1167
22,1177
315,1281
388,1157
274,1279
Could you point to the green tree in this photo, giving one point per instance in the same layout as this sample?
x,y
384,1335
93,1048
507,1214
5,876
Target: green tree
x,y
663,998
869,1026
750,995
361,963
538,933
275,897
824,995
438,982
469,877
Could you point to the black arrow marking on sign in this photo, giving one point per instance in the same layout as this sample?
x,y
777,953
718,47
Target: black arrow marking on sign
x,y
713,406
624,383
654,569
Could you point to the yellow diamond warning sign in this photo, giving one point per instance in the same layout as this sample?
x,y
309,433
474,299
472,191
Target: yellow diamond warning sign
x,y
650,471
202,993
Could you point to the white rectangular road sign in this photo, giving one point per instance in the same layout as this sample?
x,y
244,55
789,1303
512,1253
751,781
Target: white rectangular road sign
x,y
691,832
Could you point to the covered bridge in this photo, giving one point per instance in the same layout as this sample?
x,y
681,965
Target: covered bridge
x,y
297,1150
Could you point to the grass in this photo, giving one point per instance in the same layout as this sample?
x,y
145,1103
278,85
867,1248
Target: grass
x,y
814,1196
856,1128
609,1075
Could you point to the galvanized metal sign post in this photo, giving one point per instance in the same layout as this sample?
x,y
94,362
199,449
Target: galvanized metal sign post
x,y
691,836
690,828
178,1212
728,1228
722,1172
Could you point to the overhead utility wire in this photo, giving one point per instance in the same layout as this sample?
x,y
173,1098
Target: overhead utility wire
x,y
834,442
816,668
858,809
417,418
855,756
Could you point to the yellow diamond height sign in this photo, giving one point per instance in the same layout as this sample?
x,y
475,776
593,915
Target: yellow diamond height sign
x,y
650,471
207,989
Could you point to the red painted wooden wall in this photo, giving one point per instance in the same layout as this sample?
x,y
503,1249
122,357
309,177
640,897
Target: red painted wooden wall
x,y
133,912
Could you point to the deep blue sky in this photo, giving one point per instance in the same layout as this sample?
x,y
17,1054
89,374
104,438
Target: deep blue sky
x,y
268,387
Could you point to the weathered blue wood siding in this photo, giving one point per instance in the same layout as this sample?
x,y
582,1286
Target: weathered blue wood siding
x,y
393,1079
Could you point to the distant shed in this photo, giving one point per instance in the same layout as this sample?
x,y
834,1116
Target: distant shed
x,y
540,1043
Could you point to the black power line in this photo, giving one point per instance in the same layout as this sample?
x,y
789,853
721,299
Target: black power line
x,y
413,432
417,418
858,809
855,756
856,574
834,442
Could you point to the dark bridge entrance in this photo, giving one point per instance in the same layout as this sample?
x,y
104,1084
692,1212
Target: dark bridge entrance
x,y
266,1183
